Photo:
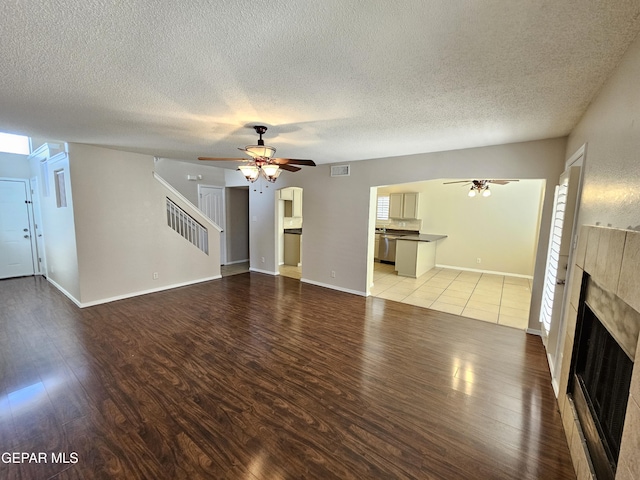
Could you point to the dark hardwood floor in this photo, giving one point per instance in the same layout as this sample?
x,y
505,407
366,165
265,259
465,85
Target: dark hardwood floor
x,y
258,377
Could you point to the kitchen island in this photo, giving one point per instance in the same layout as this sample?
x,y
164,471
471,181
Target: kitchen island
x,y
416,254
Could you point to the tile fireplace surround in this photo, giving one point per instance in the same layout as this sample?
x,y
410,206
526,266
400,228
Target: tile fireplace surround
x,y
612,258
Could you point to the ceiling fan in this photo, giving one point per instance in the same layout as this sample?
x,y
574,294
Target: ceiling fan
x,y
480,186
263,160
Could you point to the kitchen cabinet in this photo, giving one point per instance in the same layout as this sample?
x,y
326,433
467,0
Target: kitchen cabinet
x,y
286,193
292,249
297,202
404,205
414,259
293,201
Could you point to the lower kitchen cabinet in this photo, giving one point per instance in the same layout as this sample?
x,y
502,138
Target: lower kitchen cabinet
x,y
292,249
414,259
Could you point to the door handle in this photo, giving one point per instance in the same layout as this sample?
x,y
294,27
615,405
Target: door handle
x,y
560,282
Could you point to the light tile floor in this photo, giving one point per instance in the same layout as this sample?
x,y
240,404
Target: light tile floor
x,y
291,271
492,298
234,269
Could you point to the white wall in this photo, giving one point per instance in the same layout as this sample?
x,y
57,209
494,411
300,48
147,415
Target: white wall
x,y
121,230
13,165
501,230
611,129
336,210
59,227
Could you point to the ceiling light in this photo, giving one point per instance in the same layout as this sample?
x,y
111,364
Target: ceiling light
x,y
250,172
270,171
472,192
486,192
260,151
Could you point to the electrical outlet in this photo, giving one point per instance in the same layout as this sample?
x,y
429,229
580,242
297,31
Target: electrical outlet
x,y
478,260
333,274
262,259
155,275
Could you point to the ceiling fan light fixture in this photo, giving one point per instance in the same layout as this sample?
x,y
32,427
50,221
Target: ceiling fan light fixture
x,y
486,192
270,170
472,192
260,151
250,172
272,178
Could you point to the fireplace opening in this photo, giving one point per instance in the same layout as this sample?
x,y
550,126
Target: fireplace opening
x,y
600,390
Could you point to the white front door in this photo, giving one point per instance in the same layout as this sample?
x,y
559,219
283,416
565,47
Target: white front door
x,y
16,257
211,203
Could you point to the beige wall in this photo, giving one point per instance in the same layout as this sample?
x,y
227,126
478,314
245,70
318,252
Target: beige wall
x,y
611,129
175,172
501,230
336,210
122,236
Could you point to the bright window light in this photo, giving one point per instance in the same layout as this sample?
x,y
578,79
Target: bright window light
x,y
10,143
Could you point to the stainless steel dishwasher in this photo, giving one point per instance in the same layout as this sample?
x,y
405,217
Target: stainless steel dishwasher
x,y
387,248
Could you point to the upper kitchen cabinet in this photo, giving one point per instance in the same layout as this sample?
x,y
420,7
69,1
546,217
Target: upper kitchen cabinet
x,y
403,205
293,201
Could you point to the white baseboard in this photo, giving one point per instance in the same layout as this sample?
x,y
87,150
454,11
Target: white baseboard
x,y
64,292
267,272
333,287
531,331
132,294
492,272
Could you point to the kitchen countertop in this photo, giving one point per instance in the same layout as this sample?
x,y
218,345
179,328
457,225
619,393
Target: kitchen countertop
x,y
423,237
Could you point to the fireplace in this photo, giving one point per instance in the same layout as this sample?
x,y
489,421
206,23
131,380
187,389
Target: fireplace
x,y
598,388
601,378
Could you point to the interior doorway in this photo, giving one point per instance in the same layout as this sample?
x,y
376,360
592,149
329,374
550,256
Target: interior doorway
x,y
290,232
237,231
211,203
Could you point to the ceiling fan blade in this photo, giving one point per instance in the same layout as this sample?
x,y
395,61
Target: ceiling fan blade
x,y
215,159
457,181
289,168
294,161
501,182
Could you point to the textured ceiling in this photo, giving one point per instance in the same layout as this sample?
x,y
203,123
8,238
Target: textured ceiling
x,y
334,80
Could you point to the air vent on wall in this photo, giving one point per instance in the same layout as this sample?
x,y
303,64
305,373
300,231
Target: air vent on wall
x,y
341,170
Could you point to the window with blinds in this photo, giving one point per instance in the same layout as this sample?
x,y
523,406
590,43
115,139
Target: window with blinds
x,y
383,208
553,258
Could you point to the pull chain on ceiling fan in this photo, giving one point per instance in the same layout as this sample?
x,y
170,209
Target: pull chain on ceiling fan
x,y
263,160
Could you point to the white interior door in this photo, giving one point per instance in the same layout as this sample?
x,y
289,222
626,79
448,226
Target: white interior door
x,y
211,203
16,254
